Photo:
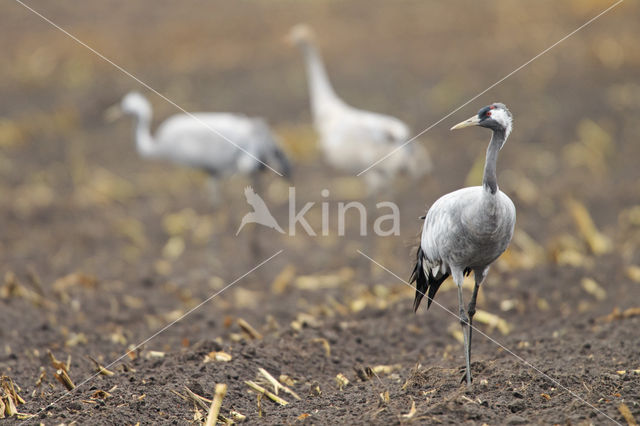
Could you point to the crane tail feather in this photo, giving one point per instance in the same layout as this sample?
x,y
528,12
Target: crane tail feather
x,y
434,285
419,277
426,284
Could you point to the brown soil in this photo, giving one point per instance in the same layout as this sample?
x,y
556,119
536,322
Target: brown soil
x,y
101,251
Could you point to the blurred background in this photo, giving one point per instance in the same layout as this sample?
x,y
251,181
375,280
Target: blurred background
x,y
134,243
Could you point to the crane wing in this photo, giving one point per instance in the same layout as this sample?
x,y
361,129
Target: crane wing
x,y
431,269
426,283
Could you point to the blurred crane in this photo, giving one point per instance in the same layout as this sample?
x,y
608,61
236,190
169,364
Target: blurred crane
x,y
221,144
466,230
353,139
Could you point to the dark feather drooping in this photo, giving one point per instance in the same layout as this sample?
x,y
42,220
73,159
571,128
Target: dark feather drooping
x,y
424,282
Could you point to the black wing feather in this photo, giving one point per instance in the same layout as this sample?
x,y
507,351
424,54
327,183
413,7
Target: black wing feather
x,y
424,283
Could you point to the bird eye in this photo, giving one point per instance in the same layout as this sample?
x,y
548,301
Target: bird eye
x,y
488,113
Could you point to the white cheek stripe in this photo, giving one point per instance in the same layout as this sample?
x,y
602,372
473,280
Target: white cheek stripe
x,y
501,117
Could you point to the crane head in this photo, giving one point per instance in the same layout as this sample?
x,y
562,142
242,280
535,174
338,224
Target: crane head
x,y
495,117
132,104
300,33
135,104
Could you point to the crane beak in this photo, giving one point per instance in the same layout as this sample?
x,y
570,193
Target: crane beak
x,y
112,113
473,121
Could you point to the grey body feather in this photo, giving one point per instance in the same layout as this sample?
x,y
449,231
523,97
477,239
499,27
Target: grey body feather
x,y
467,230
222,144
353,139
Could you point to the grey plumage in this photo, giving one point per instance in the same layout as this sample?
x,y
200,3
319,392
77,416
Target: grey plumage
x,y
353,139
218,143
467,230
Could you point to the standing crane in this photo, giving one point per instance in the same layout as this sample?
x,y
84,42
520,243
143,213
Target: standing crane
x,y
353,139
467,230
221,144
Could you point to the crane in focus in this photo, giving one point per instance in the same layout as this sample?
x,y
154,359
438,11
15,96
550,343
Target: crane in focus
x,y
467,230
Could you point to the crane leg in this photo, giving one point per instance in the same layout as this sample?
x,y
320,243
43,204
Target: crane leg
x,y
214,191
471,309
464,322
254,238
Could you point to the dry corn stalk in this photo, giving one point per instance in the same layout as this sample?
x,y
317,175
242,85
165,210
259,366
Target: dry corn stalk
x,y
598,242
325,345
62,376
100,394
197,414
237,416
283,279
341,380
247,328
593,288
492,320
58,365
197,399
276,384
633,272
626,413
256,387
10,389
617,314
217,356
386,369
214,410
412,411
10,406
102,370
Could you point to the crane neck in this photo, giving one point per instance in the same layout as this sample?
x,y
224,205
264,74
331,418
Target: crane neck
x,y
489,179
142,134
320,89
